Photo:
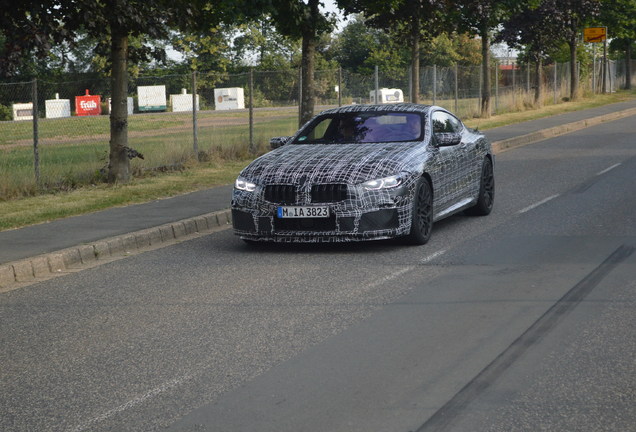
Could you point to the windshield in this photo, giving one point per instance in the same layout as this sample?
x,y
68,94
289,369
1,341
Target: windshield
x,y
374,127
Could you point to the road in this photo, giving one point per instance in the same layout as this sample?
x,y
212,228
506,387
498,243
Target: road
x,y
520,321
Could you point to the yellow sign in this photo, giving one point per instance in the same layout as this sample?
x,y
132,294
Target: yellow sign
x,y
595,34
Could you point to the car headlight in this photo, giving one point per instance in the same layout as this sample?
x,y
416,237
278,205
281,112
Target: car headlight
x,y
383,183
244,185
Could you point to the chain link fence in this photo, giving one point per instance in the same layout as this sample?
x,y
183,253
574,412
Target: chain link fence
x,y
54,133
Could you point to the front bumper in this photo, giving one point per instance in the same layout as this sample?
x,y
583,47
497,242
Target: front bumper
x,y
362,216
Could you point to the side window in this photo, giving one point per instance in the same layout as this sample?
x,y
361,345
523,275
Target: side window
x,y
319,130
316,132
455,123
444,122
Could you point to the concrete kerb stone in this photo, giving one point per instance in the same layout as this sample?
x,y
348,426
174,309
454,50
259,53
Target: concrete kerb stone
x,y
56,262
166,232
23,271
179,230
211,220
40,266
129,242
116,246
201,224
7,276
71,258
190,226
142,239
87,253
101,250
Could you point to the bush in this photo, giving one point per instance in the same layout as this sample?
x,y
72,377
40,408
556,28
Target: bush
x,y
5,113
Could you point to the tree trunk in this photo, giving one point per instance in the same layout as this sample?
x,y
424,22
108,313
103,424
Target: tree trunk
x,y
485,56
415,64
574,76
538,82
628,65
308,100
119,166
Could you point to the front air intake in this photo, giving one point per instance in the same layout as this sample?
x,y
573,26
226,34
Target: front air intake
x,y
327,193
281,194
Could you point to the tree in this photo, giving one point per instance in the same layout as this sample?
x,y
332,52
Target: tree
x,y
356,43
569,17
303,20
618,16
532,31
34,27
481,17
412,21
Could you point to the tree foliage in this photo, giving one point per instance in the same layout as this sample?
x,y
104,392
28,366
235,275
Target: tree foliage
x,y
411,21
303,20
570,17
619,17
481,18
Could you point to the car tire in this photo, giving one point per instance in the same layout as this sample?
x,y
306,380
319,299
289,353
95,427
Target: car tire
x,y
422,216
486,198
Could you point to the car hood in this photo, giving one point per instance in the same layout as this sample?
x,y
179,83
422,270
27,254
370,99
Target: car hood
x,y
334,163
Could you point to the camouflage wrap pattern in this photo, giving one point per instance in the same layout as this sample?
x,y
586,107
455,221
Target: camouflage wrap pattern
x,y
453,170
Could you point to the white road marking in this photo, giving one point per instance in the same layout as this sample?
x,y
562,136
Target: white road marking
x,y
608,169
389,277
538,204
133,402
432,256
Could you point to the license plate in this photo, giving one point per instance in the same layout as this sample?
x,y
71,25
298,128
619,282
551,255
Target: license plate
x,y
303,212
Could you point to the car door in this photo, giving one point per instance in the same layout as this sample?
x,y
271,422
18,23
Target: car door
x,y
452,162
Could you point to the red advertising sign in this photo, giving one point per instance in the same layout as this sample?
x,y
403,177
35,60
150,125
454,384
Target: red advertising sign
x,y
88,104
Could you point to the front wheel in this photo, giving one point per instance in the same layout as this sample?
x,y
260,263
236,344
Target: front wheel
x,y
422,218
486,198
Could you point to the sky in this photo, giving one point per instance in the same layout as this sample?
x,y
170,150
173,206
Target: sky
x,y
330,6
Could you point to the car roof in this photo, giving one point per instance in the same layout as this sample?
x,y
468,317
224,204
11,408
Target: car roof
x,y
399,107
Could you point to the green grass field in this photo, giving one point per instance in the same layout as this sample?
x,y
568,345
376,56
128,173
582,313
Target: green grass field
x,y
72,151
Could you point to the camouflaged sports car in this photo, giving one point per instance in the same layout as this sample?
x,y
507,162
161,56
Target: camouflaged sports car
x,y
365,172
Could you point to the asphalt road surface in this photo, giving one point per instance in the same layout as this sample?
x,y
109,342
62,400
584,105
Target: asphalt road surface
x,y
520,321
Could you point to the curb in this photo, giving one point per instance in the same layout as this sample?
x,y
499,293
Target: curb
x,y
41,267
519,141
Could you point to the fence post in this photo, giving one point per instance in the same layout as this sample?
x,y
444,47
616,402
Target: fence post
x,y
195,129
594,68
496,87
514,102
340,86
456,89
411,83
481,79
251,111
300,94
555,82
434,84
377,85
36,153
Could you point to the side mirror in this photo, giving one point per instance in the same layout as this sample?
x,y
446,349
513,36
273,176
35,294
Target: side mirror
x,y
444,139
276,142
